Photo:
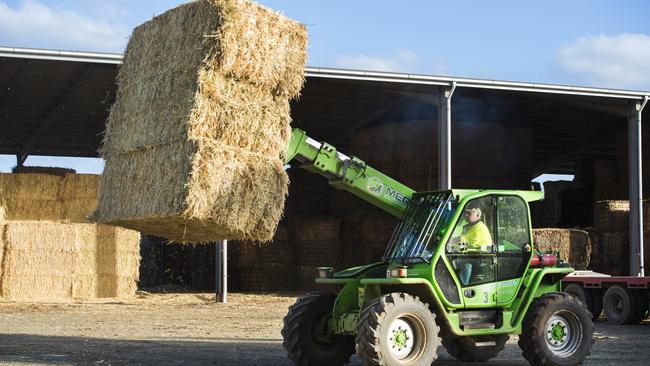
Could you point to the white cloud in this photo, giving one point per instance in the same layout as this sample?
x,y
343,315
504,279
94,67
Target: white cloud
x,y
403,61
439,68
621,61
33,24
374,63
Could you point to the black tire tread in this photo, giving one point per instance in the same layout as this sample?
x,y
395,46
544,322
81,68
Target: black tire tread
x,y
625,319
641,307
293,321
532,322
372,318
597,295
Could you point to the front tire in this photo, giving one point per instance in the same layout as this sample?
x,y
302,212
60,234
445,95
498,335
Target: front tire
x,y
397,329
469,349
304,335
557,331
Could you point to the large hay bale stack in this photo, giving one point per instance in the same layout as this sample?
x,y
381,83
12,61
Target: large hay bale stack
x,y
278,251
194,140
611,253
54,197
317,240
57,261
78,195
317,243
574,245
406,151
266,266
611,215
31,196
365,237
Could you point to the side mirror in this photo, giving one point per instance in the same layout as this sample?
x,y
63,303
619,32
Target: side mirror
x,y
527,248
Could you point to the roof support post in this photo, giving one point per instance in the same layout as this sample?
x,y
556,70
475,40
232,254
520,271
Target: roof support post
x,y
635,180
221,270
20,160
444,137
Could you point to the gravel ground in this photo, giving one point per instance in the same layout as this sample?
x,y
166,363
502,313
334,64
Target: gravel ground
x,y
191,329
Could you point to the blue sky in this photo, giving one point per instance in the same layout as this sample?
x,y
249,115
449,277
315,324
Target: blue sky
x,y
596,43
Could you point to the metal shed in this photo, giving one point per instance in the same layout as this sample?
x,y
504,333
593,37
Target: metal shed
x,y
56,102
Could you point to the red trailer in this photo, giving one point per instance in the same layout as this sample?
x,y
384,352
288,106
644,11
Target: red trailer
x,y
624,299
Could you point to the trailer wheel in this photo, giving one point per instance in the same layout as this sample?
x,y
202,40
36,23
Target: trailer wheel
x,y
620,305
597,295
304,336
470,349
641,306
584,295
397,329
557,331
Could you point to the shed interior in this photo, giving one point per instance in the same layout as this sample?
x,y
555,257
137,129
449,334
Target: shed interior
x,y
500,139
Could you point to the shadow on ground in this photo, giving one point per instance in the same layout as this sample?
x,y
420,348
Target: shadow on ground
x,y
24,349
620,345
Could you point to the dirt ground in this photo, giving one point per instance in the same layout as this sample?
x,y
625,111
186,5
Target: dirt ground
x,y
191,329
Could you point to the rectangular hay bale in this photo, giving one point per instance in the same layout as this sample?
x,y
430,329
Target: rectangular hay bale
x,y
194,140
611,215
49,197
58,261
574,245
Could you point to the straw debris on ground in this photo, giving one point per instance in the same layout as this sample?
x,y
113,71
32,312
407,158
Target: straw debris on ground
x,y
194,141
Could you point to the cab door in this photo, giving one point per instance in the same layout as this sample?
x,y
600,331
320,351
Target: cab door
x,y
513,249
474,263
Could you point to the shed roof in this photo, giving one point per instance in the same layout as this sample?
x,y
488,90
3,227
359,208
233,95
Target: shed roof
x,y
55,102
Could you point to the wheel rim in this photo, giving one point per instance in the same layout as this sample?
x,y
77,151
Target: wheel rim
x,y
563,333
405,338
616,304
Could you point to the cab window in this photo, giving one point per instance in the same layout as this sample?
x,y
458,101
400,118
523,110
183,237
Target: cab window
x,y
471,246
513,247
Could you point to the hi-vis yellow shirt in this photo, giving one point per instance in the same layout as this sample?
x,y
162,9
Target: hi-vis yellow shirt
x,y
476,235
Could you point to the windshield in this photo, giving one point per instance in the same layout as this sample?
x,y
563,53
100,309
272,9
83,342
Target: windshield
x,y
418,234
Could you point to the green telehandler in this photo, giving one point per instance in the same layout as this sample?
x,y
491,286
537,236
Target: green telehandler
x,y
460,271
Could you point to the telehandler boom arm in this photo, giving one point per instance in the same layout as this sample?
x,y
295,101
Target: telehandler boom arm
x,y
348,173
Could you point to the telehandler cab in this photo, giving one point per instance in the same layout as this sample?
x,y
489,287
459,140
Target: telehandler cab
x,y
438,282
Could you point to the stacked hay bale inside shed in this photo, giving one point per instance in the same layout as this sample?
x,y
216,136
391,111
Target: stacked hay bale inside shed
x,y
50,251
194,141
574,245
610,235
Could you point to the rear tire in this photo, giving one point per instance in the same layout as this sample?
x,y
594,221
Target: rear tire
x,y
597,295
641,308
557,331
620,305
397,329
304,336
465,348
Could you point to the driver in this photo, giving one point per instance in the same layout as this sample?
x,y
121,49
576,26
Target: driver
x,y
474,238
476,234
